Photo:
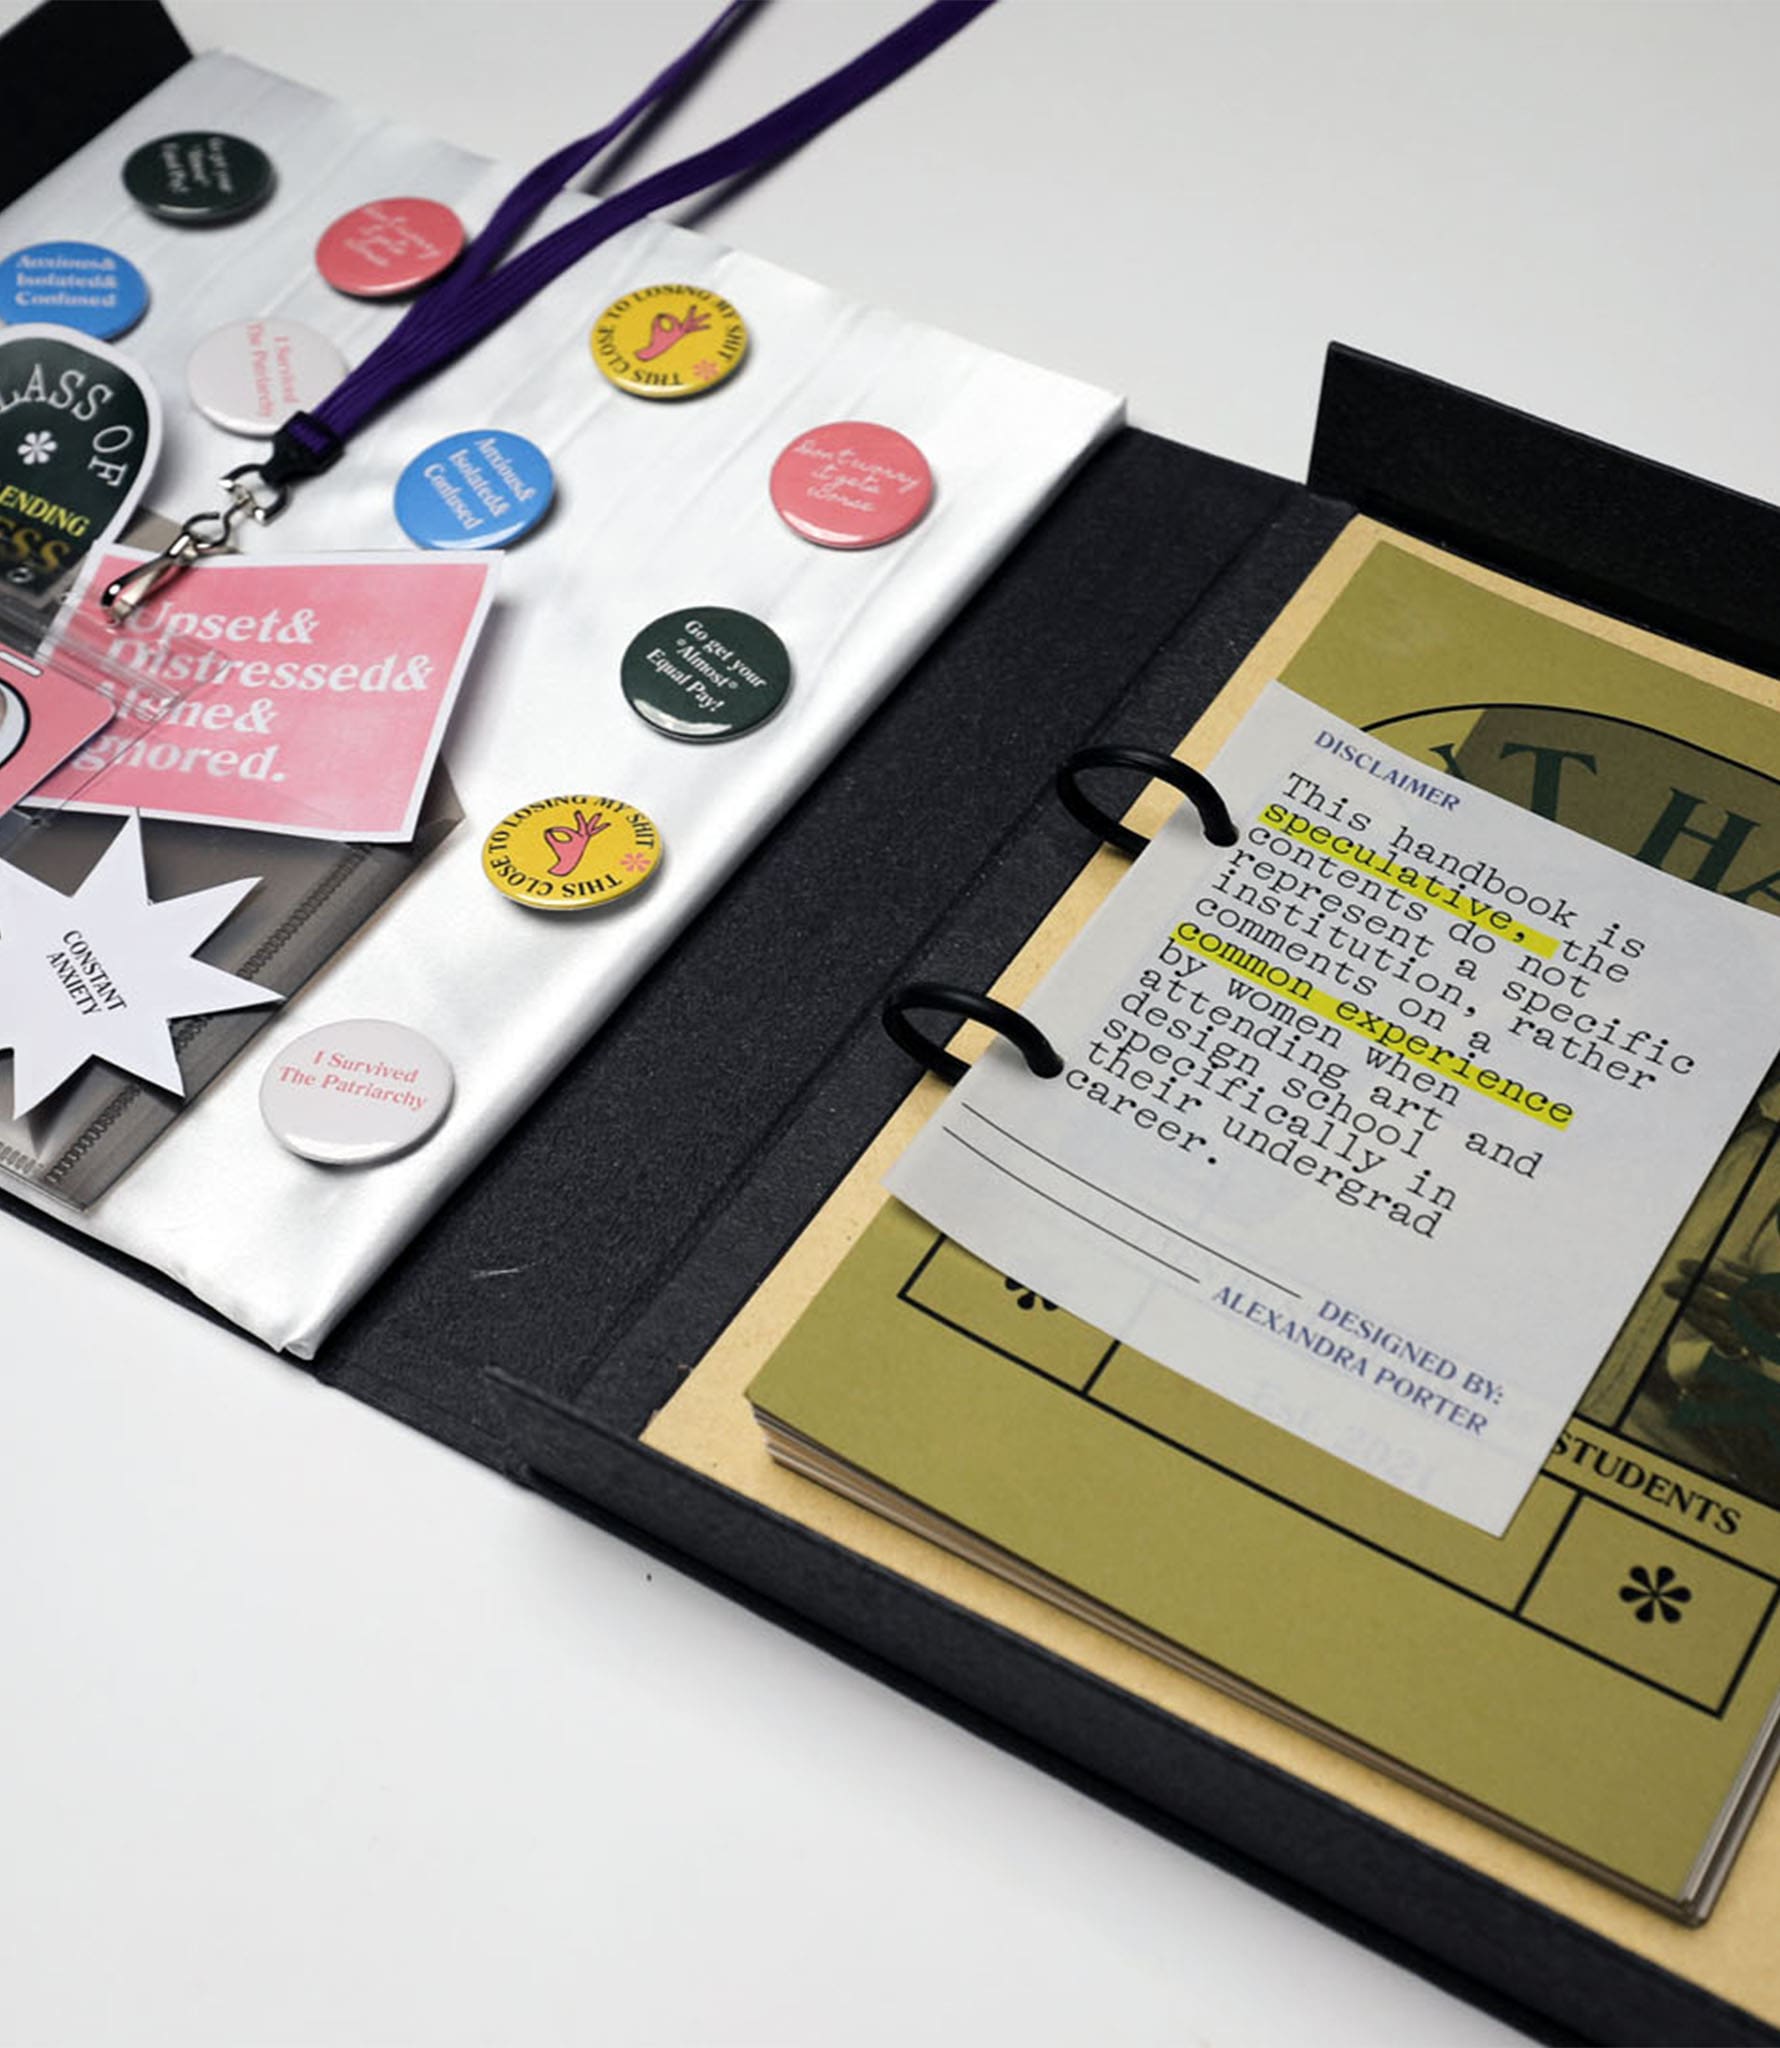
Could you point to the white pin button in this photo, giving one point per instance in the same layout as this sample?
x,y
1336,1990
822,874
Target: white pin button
x,y
354,1093
253,374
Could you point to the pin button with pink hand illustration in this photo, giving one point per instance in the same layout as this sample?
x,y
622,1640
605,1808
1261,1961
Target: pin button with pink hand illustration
x,y
571,852
669,341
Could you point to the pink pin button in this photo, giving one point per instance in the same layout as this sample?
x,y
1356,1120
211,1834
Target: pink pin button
x,y
851,484
389,246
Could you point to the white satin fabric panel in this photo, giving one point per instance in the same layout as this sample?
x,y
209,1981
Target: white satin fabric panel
x,y
659,506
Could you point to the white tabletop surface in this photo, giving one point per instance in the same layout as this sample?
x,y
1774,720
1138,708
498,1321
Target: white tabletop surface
x,y
314,1733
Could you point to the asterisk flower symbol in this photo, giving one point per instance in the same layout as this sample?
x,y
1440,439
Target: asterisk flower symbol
x,y
36,448
704,369
638,863
1654,1593
1029,1297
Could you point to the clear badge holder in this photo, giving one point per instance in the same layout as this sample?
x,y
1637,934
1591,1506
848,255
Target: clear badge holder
x,y
63,667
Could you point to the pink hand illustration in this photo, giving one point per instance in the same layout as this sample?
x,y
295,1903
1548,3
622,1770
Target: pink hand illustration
x,y
571,842
665,330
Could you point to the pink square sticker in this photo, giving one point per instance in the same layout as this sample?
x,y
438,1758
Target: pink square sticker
x,y
306,695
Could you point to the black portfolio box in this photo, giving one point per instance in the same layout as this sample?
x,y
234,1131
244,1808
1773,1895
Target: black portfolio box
x,y
1116,620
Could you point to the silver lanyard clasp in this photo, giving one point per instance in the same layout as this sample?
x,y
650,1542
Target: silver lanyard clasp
x,y
205,533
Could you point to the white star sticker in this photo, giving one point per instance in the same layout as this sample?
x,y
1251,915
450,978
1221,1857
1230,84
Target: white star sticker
x,y
100,974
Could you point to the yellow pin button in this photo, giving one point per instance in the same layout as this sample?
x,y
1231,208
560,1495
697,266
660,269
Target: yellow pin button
x,y
669,340
571,852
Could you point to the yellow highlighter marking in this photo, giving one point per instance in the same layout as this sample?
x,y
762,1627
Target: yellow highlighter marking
x,y
1385,1031
1489,917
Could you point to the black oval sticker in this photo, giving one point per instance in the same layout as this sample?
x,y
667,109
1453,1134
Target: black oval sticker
x,y
79,432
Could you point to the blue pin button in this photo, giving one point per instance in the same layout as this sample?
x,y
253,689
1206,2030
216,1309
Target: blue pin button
x,y
483,489
73,284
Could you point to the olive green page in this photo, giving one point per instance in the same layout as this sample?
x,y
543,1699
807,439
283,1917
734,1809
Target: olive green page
x,y
710,1425
1600,1675
1510,1671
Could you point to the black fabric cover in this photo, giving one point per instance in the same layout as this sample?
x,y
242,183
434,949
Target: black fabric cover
x,y
583,1444
1643,543
71,68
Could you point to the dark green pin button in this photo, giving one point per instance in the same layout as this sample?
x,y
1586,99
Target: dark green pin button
x,y
706,674
198,177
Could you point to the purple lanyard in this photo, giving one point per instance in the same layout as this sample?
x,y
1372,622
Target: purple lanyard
x,y
480,291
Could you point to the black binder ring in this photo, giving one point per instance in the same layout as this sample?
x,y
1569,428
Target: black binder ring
x,y
1214,817
1025,1037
